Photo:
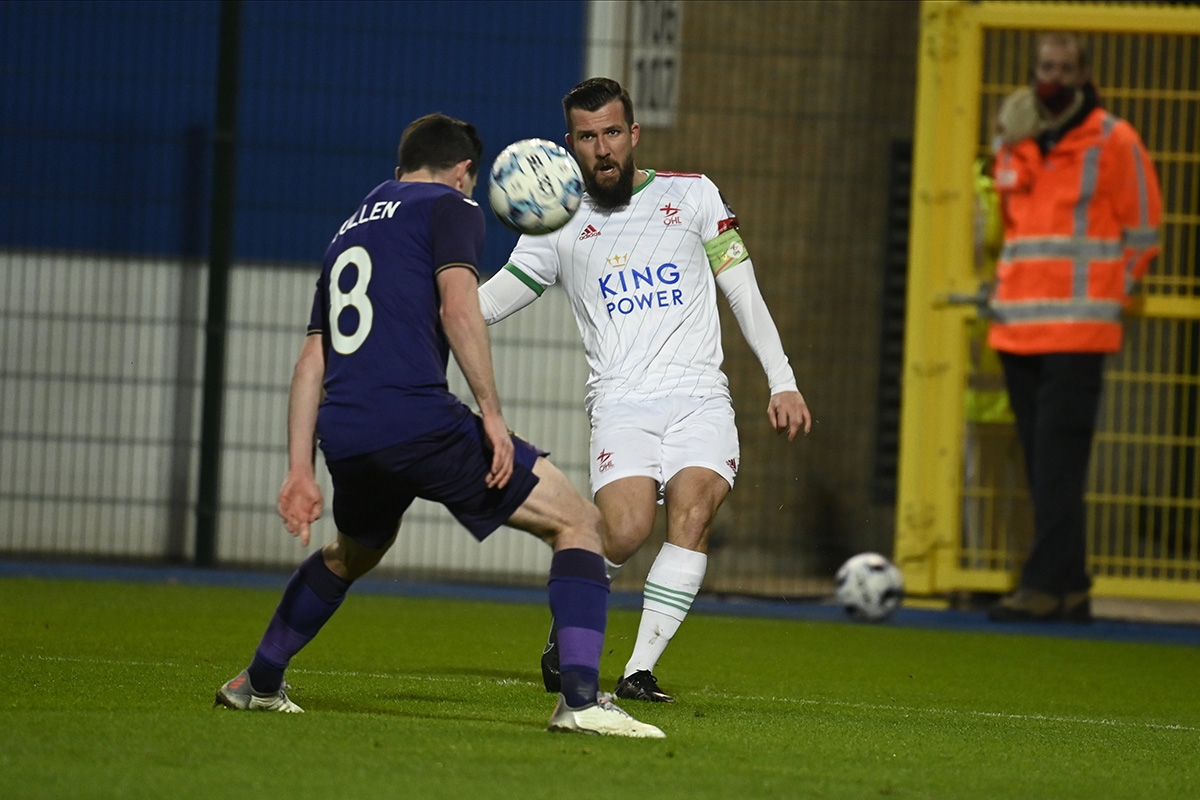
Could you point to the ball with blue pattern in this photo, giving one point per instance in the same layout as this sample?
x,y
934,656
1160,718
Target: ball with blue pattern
x,y
535,186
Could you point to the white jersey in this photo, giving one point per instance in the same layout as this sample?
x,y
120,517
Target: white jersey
x,y
640,281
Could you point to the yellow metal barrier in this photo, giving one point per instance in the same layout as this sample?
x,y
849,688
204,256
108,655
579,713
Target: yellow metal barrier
x,y
964,523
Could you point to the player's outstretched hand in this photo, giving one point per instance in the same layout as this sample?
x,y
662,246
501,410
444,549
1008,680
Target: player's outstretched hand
x,y
789,414
500,440
300,505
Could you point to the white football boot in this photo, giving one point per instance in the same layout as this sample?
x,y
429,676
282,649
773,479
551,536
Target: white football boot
x,y
239,695
602,718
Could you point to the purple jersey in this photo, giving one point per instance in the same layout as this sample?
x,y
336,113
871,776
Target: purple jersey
x,y
377,308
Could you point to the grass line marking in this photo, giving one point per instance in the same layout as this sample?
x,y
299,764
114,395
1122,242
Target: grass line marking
x,y
800,701
956,711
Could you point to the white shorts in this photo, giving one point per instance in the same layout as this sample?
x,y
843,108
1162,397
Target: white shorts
x,y
658,438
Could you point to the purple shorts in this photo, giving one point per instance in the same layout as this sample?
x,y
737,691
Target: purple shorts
x,y
371,492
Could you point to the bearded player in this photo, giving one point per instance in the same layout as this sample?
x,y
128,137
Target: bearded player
x,y
641,262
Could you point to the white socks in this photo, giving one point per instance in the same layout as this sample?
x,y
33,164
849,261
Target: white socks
x,y
671,586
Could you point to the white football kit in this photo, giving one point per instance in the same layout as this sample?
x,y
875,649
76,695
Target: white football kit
x,y
642,282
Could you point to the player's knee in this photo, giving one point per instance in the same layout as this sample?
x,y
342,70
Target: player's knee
x,y
350,560
582,527
622,541
591,524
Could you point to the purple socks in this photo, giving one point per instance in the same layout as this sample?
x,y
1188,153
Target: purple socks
x,y
312,595
578,600
579,603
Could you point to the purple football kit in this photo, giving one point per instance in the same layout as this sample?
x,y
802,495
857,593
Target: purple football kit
x,y
390,428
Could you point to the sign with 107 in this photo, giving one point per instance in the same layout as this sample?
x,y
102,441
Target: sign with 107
x,y
656,32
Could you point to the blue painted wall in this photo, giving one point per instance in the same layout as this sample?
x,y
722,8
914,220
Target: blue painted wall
x,y
106,112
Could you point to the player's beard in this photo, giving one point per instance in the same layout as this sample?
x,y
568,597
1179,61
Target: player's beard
x,y
614,195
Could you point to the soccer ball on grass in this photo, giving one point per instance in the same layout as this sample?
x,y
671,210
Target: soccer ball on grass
x,y
869,587
535,186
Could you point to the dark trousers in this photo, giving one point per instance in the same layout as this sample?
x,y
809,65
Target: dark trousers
x,y
1055,398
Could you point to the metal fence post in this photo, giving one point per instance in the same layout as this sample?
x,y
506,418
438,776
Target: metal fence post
x,y
220,255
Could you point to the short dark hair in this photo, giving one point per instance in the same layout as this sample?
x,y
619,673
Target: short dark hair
x,y
438,142
595,93
1063,39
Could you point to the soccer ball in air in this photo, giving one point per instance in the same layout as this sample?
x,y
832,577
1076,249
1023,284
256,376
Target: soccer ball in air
x,y
535,186
869,587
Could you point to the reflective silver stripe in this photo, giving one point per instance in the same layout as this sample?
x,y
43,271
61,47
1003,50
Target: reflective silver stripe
x,y
1087,189
1088,179
1143,237
1081,250
1130,264
1042,311
1140,238
1140,169
1061,247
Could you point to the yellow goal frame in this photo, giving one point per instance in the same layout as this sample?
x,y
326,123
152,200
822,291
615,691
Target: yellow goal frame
x,y
1129,556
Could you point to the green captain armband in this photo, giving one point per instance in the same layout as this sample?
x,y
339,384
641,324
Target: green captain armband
x,y
525,279
725,251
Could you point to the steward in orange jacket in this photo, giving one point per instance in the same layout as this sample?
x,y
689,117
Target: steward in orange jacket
x,y
1081,208
1081,227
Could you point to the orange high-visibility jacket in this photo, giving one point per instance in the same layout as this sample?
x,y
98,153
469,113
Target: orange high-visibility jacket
x,y
1080,227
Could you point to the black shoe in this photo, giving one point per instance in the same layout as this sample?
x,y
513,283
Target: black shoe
x,y
1026,605
1030,605
551,676
1077,608
641,685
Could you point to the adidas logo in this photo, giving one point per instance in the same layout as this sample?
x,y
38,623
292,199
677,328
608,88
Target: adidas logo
x,y
589,232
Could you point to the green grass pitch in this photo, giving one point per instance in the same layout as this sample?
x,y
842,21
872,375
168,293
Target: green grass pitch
x,y
108,690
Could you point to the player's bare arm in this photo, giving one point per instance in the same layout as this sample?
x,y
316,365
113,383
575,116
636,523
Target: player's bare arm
x,y
467,333
300,501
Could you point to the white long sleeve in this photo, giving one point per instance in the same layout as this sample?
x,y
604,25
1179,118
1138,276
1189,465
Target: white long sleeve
x,y
504,294
746,300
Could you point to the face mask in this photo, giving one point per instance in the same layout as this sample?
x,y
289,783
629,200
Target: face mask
x,y
1054,96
